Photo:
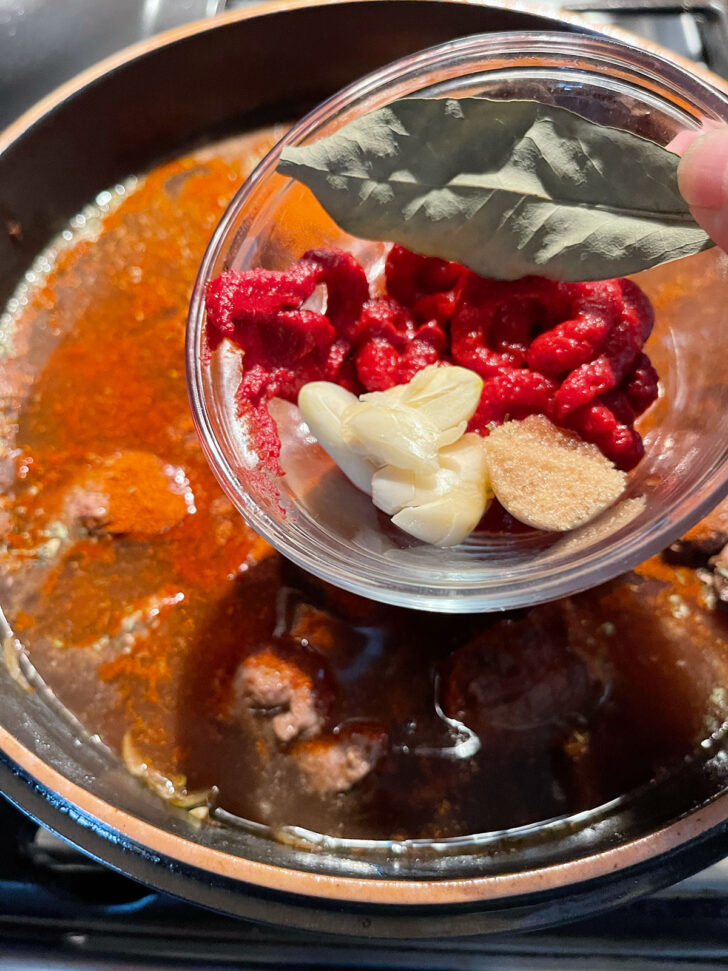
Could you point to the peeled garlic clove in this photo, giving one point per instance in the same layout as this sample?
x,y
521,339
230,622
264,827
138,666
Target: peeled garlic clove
x,y
458,497
322,404
446,520
398,436
394,489
450,435
447,395
389,397
330,399
414,501
548,478
467,457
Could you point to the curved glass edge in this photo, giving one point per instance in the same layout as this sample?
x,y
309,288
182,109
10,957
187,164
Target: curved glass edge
x,y
447,597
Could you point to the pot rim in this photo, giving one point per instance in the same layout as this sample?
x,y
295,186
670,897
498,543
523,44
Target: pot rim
x,y
126,828
136,835
141,48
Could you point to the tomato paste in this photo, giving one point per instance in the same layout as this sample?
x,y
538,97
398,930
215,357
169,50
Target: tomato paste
x,y
570,351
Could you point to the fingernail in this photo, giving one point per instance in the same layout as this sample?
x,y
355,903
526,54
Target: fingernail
x,y
703,171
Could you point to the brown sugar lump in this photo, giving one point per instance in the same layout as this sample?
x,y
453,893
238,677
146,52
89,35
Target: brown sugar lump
x,y
549,478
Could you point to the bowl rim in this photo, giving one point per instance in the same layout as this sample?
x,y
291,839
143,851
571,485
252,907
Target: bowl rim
x,y
372,579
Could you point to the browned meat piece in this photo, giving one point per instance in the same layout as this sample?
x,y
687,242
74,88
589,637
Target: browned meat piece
x,y
129,493
88,508
6,524
696,547
531,678
719,575
284,689
336,762
318,628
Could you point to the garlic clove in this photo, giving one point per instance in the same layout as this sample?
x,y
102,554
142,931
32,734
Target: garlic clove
x,y
398,436
446,520
468,458
322,405
408,448
394,489
388,397
446,395
451,435
442,508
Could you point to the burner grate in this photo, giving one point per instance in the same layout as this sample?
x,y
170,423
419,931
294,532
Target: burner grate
x,y
696,29
64,912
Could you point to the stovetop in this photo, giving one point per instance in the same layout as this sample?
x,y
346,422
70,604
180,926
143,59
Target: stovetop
x,y
60,910
43,43
696,29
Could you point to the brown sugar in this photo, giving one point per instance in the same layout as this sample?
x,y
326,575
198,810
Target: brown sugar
x,y
548,478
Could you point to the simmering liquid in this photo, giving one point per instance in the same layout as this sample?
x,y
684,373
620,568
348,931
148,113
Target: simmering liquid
x,y
180,638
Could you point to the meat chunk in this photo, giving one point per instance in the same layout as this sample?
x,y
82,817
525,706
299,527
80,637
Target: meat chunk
x,y
527,679
319,628
88,508
719,575
696,547
282,688
128,493
336,762
6,523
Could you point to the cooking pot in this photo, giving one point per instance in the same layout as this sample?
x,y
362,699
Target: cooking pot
x,y
160,97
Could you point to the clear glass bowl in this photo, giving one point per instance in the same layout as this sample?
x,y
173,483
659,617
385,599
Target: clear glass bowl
x,y
313,515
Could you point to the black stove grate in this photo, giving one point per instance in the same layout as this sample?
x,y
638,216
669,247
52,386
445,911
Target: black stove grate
x,y
61,911
696,29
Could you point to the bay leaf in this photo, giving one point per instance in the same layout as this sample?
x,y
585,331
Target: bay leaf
x,y
508,188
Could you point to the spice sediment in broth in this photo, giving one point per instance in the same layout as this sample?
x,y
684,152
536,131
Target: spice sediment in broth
x,y
158,617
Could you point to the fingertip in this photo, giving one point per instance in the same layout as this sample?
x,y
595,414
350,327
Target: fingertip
x,y
703,171
685,138
714,222
682,141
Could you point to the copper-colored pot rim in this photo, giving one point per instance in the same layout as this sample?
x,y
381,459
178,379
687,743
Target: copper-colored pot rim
x,y
368,890
141,48
314,885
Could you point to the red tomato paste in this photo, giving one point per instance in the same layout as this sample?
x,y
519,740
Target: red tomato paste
x,y
570,351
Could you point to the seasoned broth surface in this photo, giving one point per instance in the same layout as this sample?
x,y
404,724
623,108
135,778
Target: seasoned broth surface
x,y
220,671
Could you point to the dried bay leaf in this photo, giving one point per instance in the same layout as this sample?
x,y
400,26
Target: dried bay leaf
x,y
508,188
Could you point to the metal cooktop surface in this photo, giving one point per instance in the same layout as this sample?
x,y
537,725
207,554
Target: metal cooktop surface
x,y
61,911
45,42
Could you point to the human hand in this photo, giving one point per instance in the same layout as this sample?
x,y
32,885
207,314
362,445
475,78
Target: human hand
x,y
703,179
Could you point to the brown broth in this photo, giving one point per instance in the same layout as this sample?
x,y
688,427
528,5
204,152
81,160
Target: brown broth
x,y
140,628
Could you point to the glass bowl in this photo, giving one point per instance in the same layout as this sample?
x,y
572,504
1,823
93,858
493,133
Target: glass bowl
x,y
312,514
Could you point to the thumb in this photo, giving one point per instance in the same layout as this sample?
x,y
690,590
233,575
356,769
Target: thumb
x,y
703,181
